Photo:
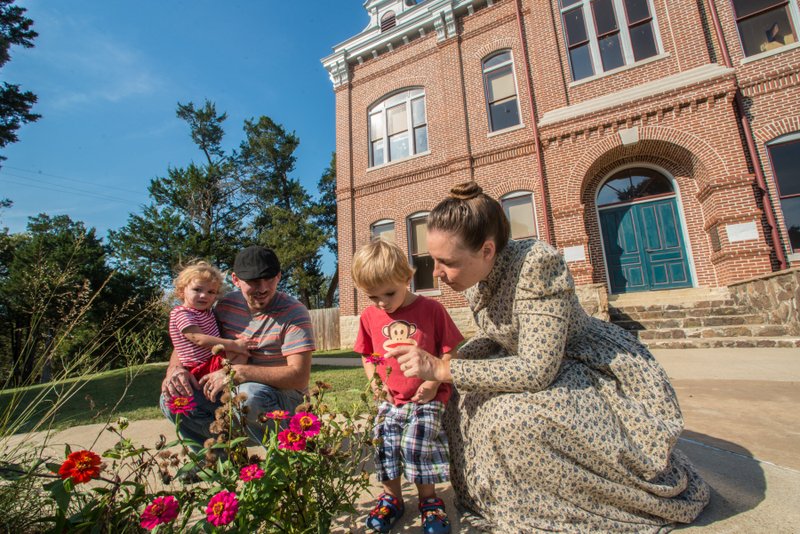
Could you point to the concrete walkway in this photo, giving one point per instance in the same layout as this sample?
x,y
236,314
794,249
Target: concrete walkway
x,y
742,417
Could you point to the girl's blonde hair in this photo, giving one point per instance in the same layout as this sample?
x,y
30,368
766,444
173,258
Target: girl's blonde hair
x,y
200,270
380,262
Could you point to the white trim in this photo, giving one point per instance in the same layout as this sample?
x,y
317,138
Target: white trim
x,y
785,138
514,128
769,53
681,214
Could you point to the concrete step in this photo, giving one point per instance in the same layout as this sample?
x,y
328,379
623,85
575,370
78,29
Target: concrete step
x,y
678,297
745,330
674,313
662,323
724,342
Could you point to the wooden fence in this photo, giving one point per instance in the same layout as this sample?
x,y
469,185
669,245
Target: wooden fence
x,y
326,328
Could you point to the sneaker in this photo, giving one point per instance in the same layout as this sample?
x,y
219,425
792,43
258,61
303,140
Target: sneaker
x,y
385,514
434,518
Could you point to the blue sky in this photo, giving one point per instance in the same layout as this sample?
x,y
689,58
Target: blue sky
x,y
109,75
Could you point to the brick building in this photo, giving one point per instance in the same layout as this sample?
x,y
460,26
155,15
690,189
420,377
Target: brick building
x,y
656,143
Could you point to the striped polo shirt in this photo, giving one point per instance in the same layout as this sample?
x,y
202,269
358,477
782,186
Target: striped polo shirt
x,y
281,330
182,317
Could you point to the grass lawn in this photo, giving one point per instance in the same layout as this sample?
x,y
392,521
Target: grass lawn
x,y
97,399
340,353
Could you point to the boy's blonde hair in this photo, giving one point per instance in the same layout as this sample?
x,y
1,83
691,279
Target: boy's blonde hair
x,y
378,263
200,270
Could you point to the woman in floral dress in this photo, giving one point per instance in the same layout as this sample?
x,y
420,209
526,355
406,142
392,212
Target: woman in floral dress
x,y
561,422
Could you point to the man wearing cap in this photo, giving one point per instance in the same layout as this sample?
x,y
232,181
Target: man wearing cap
x,y
277,374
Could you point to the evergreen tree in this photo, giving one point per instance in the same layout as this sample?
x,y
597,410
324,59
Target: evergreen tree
x,y
326,217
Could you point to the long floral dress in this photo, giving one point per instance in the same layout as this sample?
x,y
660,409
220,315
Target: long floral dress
x,y
562,422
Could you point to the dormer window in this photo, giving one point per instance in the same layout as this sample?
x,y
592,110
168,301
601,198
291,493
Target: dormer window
x,y
388,21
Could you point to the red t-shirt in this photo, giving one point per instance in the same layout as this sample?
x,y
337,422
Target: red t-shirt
x,y
424,323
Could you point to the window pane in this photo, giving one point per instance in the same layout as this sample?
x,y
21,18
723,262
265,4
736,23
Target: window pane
x,y
766,31
420,139
613,191
637,10
611,52
746,7
419,235
504,114
398,146
604,17
415,92
418,111
376,126
643,41
423,277
519,212
384,231
377,153
397,119
576,29
791,216
786,166
581,62
501,84
497,60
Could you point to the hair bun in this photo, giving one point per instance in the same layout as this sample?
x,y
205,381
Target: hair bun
x,y
466,191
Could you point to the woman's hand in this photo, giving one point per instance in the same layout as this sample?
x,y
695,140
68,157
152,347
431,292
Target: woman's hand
x,y
415,362
179,382
214,383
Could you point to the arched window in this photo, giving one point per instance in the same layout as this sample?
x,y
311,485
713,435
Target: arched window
x,y
784,154
418,249
521,214
388,21
383,229
633,184
398,127
500,87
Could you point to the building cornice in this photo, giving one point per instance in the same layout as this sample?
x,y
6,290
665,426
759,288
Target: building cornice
x,y
414,21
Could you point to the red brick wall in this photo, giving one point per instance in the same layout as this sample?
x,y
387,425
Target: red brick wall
x,y
691,133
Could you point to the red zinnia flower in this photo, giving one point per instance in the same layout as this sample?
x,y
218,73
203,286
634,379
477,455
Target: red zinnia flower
x,y
305,423
80,466
291,440
250,472
278,415
375,358
222,508
181,405
162,510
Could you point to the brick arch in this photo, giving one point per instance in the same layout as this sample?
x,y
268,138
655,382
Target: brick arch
x,y
668,144
495,45
401,84
786,125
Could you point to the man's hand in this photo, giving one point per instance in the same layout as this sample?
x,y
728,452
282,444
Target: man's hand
x,y
214,384
179,382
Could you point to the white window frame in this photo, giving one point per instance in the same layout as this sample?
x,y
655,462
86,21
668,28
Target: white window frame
x,y
484,72
520,194
794,16
436,289
624,33
382,222
407,97
792,137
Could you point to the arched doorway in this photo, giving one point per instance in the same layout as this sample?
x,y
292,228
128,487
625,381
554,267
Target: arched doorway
x,y
642,232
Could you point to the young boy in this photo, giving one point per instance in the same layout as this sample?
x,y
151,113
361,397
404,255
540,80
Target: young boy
x,y
193,327
409,421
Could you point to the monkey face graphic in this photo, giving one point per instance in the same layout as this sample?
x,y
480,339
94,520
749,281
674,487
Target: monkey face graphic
x,y
398,333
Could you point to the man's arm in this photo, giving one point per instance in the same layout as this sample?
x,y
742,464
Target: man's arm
x,y
294,375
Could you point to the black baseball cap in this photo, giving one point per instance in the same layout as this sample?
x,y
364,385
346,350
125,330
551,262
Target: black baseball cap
x,y
256,262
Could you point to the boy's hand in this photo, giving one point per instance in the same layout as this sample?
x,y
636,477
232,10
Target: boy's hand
x,y
242,346
381,394
425,392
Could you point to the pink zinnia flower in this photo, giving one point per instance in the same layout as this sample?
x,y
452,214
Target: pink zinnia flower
x,y
278,415
162,510
375,358
288,439
305,423
250,472
181,405
222,508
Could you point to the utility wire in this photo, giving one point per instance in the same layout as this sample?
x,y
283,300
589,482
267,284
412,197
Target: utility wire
x,y
62,189
59,177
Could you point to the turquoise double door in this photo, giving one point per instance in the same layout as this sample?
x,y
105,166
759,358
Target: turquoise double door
x,y
644,246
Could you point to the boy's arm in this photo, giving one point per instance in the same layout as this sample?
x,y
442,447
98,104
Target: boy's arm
x,y
239,346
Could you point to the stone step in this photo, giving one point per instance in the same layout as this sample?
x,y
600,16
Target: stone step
x,y
724,342
662,323
674,312
745,330
672,296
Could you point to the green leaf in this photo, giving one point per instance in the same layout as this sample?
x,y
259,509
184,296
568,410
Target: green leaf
x,y
61,492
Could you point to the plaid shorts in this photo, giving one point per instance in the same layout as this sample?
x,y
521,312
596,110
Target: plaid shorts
x,y
413,441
